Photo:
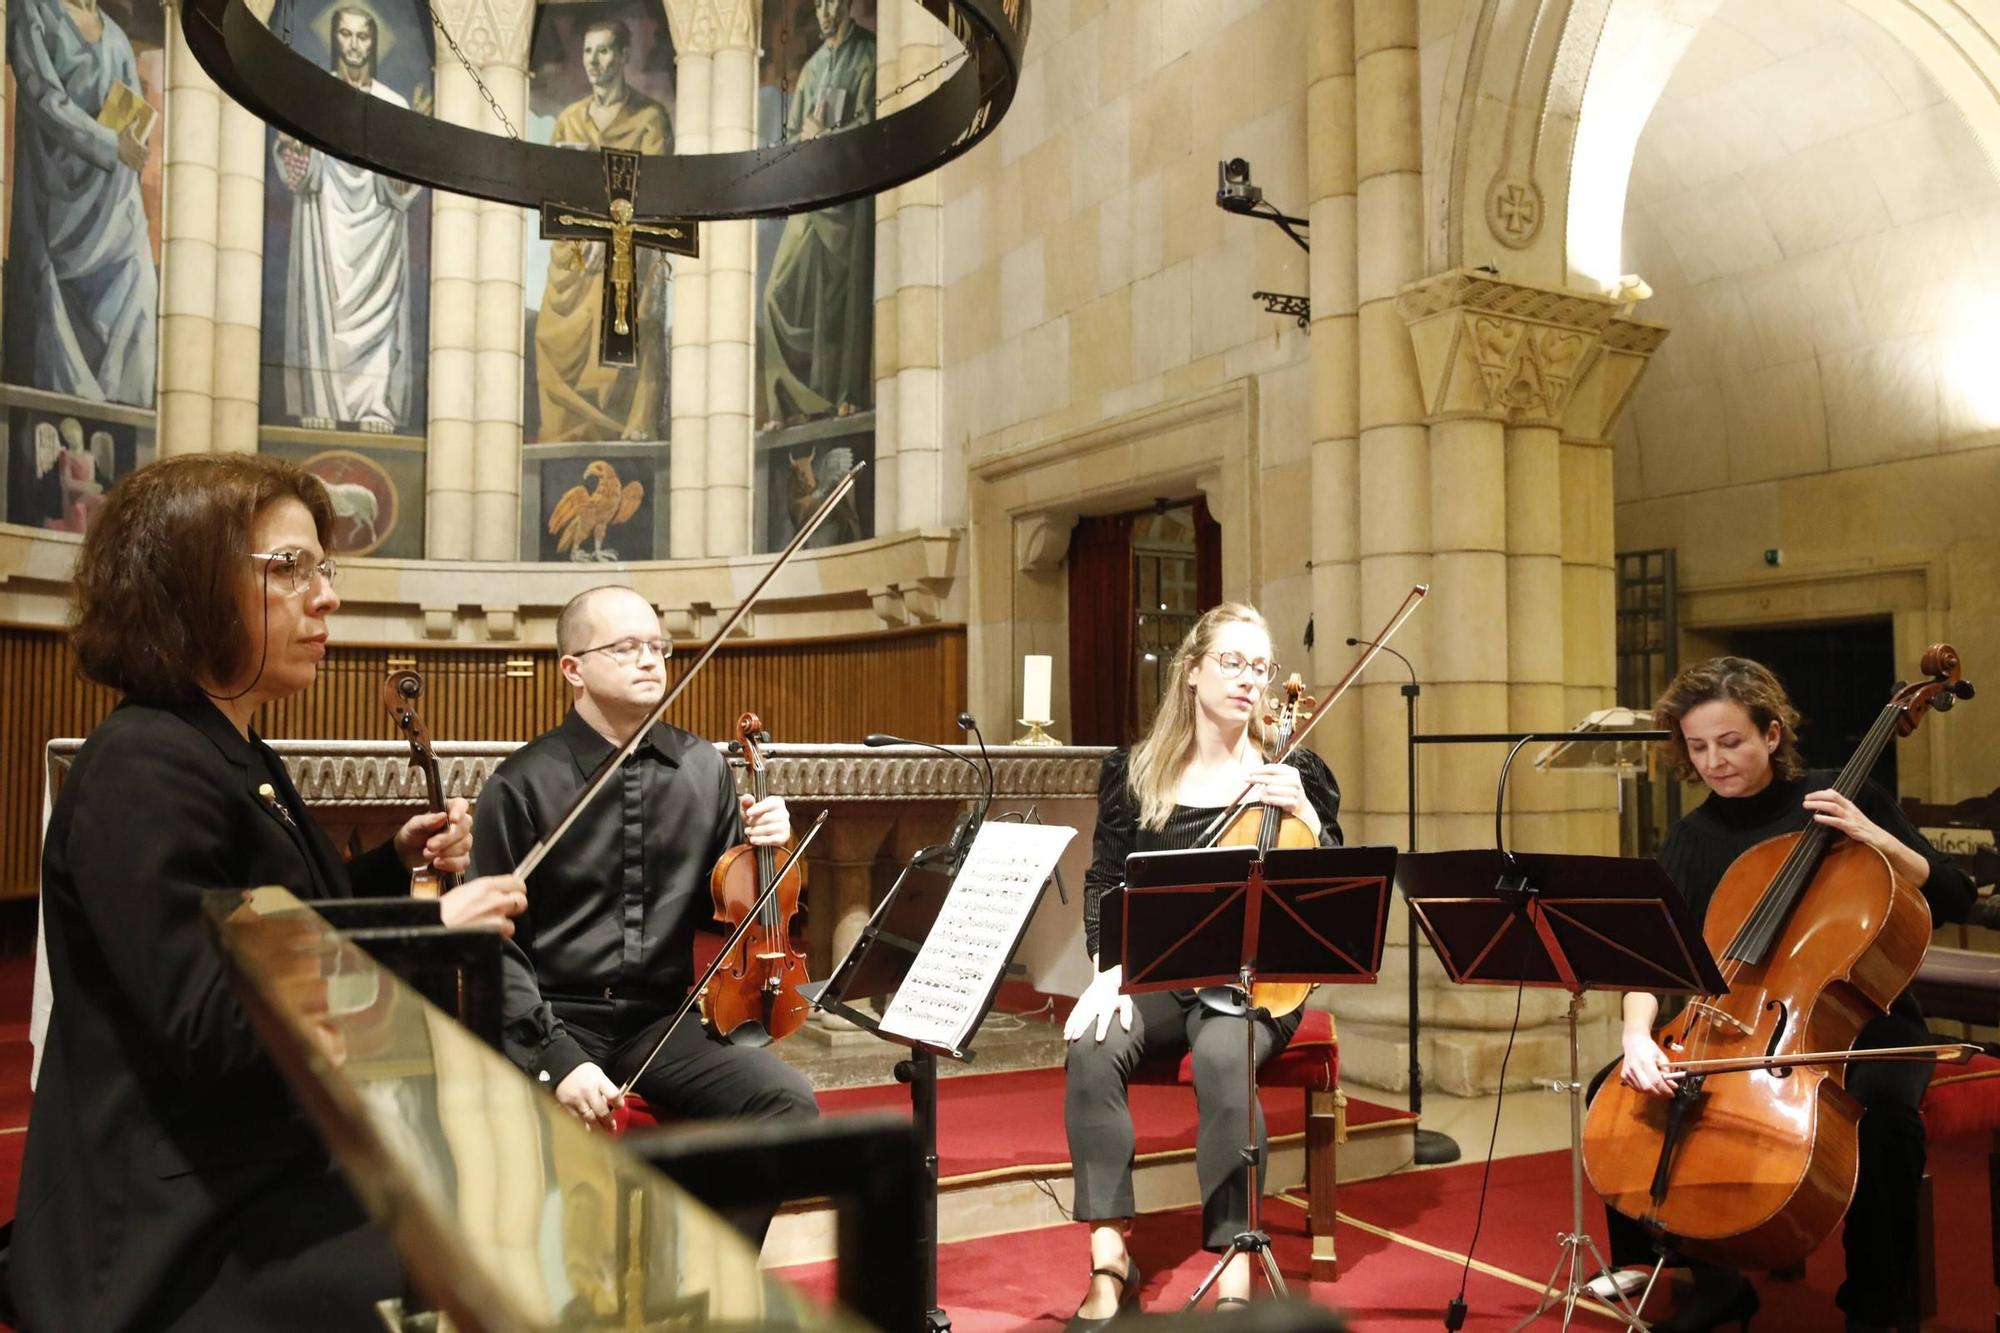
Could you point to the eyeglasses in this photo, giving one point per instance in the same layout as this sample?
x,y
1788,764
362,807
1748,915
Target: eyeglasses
x,y
1232,665
626,652
293,567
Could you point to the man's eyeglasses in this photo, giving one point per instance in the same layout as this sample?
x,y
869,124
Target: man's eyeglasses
x,y
297,574
626,652
1232,665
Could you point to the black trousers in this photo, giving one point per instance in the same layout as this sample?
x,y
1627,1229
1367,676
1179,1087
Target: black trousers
x,y
1880,1235
697,1076
1097,1112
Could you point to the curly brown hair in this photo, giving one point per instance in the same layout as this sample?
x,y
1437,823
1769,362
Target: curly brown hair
x,y
157,606
1741,681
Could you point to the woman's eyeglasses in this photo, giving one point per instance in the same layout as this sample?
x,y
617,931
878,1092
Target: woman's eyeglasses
x,y
296,571
1232,665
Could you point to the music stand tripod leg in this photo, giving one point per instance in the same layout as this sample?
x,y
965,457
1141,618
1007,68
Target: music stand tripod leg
x,y
1571,1248
1252,1239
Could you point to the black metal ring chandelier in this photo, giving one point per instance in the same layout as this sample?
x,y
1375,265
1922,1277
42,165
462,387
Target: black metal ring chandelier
x,y
258,69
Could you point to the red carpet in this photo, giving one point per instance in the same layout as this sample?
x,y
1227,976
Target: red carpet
x,y
1009,1121
1034,1279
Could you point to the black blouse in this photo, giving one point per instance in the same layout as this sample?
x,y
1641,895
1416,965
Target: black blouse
x,y
1119,835
1701,848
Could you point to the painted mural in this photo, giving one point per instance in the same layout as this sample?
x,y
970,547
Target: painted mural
x,y
376,488
815,277
80,298
347,250
595,503
601,75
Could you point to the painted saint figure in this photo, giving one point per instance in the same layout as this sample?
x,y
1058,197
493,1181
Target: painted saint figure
x,y
349,344
582,398
816,332
82,289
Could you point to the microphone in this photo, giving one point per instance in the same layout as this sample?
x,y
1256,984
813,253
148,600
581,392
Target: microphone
x,y
967,723
968,823
1356,643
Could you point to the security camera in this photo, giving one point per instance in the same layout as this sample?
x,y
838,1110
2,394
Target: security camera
x,y
1233,190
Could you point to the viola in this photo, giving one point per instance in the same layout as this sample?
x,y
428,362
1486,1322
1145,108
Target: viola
x,y
1266,827
753,998
1753,1159
400,692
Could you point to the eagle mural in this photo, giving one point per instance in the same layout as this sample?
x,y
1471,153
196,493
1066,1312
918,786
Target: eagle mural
x,y
592,509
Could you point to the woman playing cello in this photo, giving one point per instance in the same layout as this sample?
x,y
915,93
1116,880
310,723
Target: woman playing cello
x,y
1734,728
1198,756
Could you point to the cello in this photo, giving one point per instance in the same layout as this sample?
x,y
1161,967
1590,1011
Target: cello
x,y
400,692
753,999
1754,1158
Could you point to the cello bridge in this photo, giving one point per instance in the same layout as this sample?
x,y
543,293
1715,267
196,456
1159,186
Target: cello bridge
x,y
1719,1017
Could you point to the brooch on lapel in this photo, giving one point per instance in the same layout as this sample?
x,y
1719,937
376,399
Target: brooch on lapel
x,y
266,794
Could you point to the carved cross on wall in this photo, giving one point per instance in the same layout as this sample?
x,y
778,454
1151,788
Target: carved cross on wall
x,y
620,228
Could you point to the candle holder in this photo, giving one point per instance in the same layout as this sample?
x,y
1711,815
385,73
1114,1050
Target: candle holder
x,y
1035,736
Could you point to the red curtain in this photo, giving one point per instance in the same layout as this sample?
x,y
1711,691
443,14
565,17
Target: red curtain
x,y
1101,710
1207,556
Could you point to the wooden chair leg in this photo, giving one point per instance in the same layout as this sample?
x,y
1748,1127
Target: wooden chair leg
x,y
1993,1218
1326,1125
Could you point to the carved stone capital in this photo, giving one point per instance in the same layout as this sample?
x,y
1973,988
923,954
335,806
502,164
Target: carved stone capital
x,y
703,27
1041,541
1500,350
490,32
1605,383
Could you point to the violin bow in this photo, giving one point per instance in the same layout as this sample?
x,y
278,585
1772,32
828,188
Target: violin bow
x,y
1369,652
622,753
1948,1053
722,954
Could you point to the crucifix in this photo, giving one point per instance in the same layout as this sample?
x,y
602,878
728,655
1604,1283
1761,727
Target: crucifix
x,y
623,231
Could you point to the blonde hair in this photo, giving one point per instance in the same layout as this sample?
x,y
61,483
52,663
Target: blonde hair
x,y
1154,774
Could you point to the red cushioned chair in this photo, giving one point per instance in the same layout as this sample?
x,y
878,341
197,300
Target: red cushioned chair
x,y
1963,1099
1311,1060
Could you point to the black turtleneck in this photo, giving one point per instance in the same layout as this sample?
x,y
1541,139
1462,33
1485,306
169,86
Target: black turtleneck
x,y
1704,844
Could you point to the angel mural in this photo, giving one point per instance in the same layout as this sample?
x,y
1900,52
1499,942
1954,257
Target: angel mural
x,y
593,509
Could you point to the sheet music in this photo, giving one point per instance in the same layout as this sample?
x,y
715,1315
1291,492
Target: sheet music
x,y
942,998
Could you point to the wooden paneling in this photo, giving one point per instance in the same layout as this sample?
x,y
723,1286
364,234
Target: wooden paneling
x,y
910,682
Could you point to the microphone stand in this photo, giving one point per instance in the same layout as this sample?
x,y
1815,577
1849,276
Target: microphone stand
x,y
1432,1146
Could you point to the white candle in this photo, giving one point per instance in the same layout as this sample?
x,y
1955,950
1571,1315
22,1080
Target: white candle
x,y
1035,689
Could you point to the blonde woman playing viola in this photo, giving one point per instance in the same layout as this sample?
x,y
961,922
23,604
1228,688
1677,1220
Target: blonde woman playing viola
x,y
1204,747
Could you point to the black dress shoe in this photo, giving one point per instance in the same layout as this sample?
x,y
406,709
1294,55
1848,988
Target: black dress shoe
x,y
1129,1283
1720,1297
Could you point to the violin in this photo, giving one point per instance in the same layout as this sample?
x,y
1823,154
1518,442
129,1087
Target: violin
x,y
400,692
1266,827
1753,1159
753,999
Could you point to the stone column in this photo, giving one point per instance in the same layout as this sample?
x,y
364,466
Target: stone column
x,y
499,329
1605,378
687,520
188,258
729,247
917,419
889,21
450,470
239,278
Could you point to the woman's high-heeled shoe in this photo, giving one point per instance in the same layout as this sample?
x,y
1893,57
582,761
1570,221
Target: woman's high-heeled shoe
x,y
1719,1297
1128,1282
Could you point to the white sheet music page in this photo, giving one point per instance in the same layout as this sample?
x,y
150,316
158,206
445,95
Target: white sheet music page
x,y
983,916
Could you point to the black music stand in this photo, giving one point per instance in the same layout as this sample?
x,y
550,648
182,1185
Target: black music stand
x,y
875,967
1220,916
1582,923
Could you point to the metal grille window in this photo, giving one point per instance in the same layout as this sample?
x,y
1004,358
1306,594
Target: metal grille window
x,y
1164,602
1648,657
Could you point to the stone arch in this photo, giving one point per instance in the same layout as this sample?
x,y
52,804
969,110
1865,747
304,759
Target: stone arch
x,y
1540,103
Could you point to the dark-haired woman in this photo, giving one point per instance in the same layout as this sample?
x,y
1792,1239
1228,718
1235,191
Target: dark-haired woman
x,y
1201,752
1734,728
169,1181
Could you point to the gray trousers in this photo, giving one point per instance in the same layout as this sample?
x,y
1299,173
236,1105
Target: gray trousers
x,y
1098,1114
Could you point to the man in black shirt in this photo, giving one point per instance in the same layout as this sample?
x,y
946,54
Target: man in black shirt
x,y
604,954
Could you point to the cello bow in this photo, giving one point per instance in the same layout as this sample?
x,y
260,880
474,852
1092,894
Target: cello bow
x,y
610,765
